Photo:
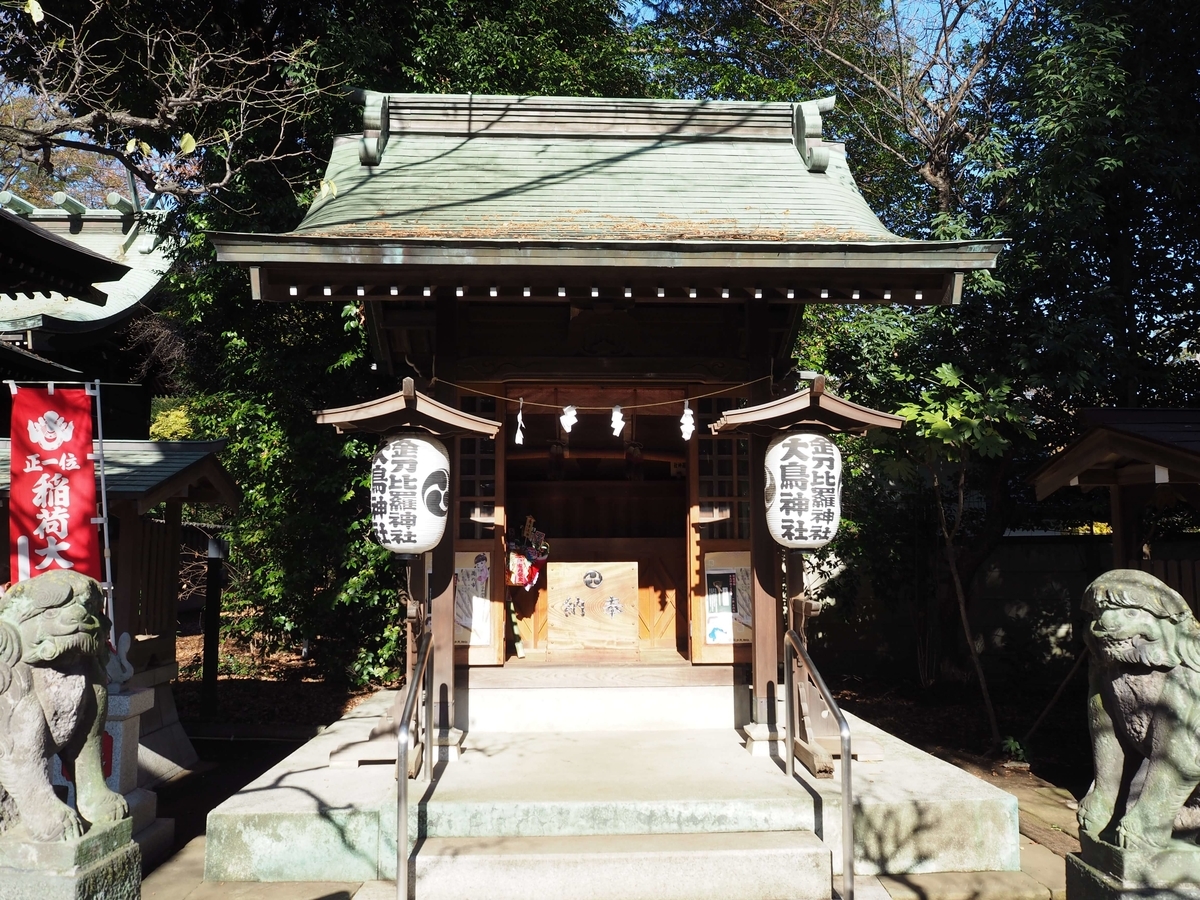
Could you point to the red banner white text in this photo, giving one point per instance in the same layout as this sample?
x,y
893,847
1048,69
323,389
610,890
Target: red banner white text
x,y
52,494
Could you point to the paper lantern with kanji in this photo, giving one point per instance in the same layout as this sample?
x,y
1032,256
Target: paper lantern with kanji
x,y
803,490
410,493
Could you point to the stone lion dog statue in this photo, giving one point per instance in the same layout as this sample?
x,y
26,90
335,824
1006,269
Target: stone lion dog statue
x,y
53,700
1143,712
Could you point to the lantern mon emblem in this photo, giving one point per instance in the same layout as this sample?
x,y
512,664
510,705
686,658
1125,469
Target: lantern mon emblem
x,y
410,478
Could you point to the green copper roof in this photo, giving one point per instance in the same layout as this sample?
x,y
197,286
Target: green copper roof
x,y
551,168
107,233
134,469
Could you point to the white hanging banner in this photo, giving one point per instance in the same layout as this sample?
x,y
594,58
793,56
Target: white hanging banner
x,y
803,492
410,483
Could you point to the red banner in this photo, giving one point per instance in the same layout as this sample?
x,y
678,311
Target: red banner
x,y
52,494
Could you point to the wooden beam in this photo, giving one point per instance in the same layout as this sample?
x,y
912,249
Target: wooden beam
x,y
587,370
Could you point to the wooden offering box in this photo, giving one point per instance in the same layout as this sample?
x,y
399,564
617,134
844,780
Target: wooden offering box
x,y
592,606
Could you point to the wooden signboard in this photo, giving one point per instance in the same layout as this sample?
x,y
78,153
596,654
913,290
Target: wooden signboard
x,y
592,607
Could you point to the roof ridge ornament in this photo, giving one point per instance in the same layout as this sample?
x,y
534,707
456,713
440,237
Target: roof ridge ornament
x,y
806,128
377,122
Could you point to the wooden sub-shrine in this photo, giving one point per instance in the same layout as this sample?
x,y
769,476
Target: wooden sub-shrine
x,y
587,275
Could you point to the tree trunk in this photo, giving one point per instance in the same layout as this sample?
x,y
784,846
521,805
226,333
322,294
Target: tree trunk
x,y
948,536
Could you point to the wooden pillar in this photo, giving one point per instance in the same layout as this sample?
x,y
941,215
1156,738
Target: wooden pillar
x,y
217,551
1126,504
764,555
1120,533
127,569
764,565
442,583
174,517
414,618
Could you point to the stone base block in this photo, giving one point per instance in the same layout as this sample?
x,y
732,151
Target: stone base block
x,y
103,863
1086,882
155,841
763,740
447,745
1105,872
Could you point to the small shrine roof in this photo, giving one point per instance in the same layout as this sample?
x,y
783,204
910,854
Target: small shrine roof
x,y
406,409
124,262
150,472
812,409
1126,446
577,183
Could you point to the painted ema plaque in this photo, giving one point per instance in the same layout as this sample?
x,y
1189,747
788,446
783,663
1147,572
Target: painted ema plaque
x,y
803,492
410,478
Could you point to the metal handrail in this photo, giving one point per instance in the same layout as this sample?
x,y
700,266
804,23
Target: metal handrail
x,y
423,667
794,648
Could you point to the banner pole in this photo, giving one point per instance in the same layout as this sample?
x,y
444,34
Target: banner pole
x,y
93,388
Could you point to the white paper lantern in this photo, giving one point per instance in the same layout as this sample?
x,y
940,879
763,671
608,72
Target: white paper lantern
x,y
803,492
410,493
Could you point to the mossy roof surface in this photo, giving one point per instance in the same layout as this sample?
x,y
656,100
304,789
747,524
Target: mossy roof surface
x,y
505,168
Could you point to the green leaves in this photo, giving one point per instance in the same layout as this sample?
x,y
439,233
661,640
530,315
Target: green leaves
x,y
952,419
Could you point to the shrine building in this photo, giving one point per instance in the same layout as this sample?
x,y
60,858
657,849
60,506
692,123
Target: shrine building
x,y
631,260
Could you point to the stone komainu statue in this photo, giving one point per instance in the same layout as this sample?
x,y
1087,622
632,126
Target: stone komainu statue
x,y
1143,712
53,699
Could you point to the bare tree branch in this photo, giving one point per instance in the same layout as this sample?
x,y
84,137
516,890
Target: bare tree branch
x,y
923,69
231,95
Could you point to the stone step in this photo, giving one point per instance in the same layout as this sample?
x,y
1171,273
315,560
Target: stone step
x,y
609,817
781,865
305,820
541,698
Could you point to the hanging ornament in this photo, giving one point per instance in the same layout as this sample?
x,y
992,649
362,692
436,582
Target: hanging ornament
x,y
687,422
618,421
519,438
568,419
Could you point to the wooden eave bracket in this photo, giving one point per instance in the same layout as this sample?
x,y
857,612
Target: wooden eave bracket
x,y
407,409
204,481
814,407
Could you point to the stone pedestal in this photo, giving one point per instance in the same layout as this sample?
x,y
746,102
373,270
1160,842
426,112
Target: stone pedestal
x,y
153,835
765,740
165,748
447,745
1104,872
103,863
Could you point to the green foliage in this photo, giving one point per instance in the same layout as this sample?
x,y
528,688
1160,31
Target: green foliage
x,y
170,420
954,419
1012,748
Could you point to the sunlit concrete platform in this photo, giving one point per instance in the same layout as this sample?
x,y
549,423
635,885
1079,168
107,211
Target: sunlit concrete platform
x,y
518,801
